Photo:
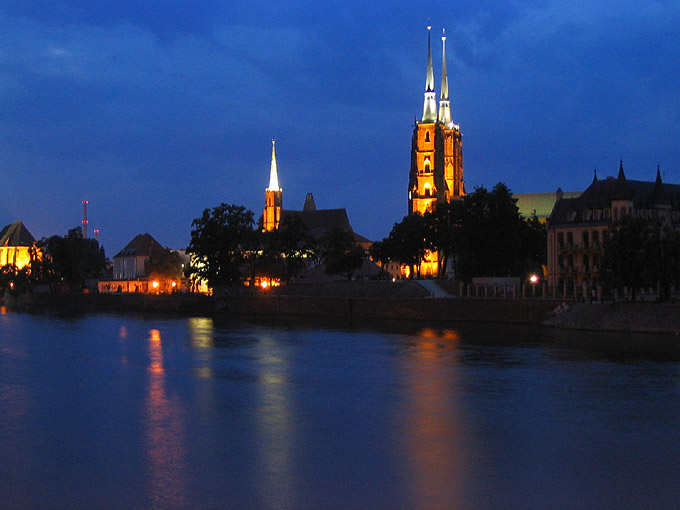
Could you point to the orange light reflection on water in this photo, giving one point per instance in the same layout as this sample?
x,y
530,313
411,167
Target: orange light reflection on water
x,y
165,436
434,439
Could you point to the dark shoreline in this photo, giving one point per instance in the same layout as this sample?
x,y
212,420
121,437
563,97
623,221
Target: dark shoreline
x,y
620,317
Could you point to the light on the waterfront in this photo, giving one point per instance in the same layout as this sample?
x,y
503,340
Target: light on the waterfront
x,y
154,284
533,278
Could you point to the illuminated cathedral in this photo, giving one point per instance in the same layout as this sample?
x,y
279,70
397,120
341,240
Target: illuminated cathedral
x,y
437,155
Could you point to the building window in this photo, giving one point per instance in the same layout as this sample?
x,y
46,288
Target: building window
x,y
586,263
570,239
427,136
586,240
560,239
560,261
596,239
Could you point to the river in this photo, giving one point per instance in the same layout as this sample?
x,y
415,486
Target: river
x,y
113,411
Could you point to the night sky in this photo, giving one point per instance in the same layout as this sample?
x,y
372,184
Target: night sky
x,y
154,111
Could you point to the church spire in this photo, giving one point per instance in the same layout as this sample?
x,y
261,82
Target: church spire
x,y
430,105
273,172
621,176
444,103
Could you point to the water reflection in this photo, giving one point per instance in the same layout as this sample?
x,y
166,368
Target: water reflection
x,y
202,334
434,437
16,403
274,423
165,436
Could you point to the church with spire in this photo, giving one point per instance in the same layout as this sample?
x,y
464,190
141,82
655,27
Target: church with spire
x,y
273,197
436,151
436,174
318,221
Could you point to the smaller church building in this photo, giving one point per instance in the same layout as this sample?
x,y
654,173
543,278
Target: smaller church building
x,y
318,221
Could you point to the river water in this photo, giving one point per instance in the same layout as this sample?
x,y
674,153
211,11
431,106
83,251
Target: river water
x,y
107,411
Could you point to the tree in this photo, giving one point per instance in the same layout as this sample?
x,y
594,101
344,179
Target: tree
x,y
220,241
490,242
408,242
641,253
534,241
295,245
73,259
340,254
444,230
165,264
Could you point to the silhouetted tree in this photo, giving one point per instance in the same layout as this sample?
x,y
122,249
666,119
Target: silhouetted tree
x,y
640,253
408,242
165,264
221,239
72,259
339,253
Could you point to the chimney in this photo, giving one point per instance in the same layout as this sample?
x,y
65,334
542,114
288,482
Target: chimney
x,y
84,219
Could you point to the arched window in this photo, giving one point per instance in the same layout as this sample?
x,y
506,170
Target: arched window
x,y
428,190
427,164
427,136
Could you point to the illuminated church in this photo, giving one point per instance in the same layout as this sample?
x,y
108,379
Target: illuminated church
x,y
437,154
318,221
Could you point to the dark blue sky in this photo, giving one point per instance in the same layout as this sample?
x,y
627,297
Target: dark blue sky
x,y
154,112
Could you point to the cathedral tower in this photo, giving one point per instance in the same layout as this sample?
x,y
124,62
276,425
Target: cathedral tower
x,y
273,197
436,155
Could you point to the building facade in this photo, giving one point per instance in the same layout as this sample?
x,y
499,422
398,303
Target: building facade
x,y
577,226
436,173
129,263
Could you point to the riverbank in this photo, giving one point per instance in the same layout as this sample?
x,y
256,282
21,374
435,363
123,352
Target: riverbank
x,y
74,304
339,304
367,301
634,317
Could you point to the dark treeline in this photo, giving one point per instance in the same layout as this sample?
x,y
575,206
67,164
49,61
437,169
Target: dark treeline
x,y
226,248
483,234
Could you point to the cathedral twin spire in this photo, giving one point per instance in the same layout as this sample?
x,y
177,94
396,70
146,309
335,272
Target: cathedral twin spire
x,y
430,106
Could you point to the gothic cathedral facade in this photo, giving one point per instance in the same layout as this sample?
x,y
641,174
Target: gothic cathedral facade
x,y
436,174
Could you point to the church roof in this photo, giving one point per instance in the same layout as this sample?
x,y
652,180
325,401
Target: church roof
x,y
143,245
320,221
16,234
